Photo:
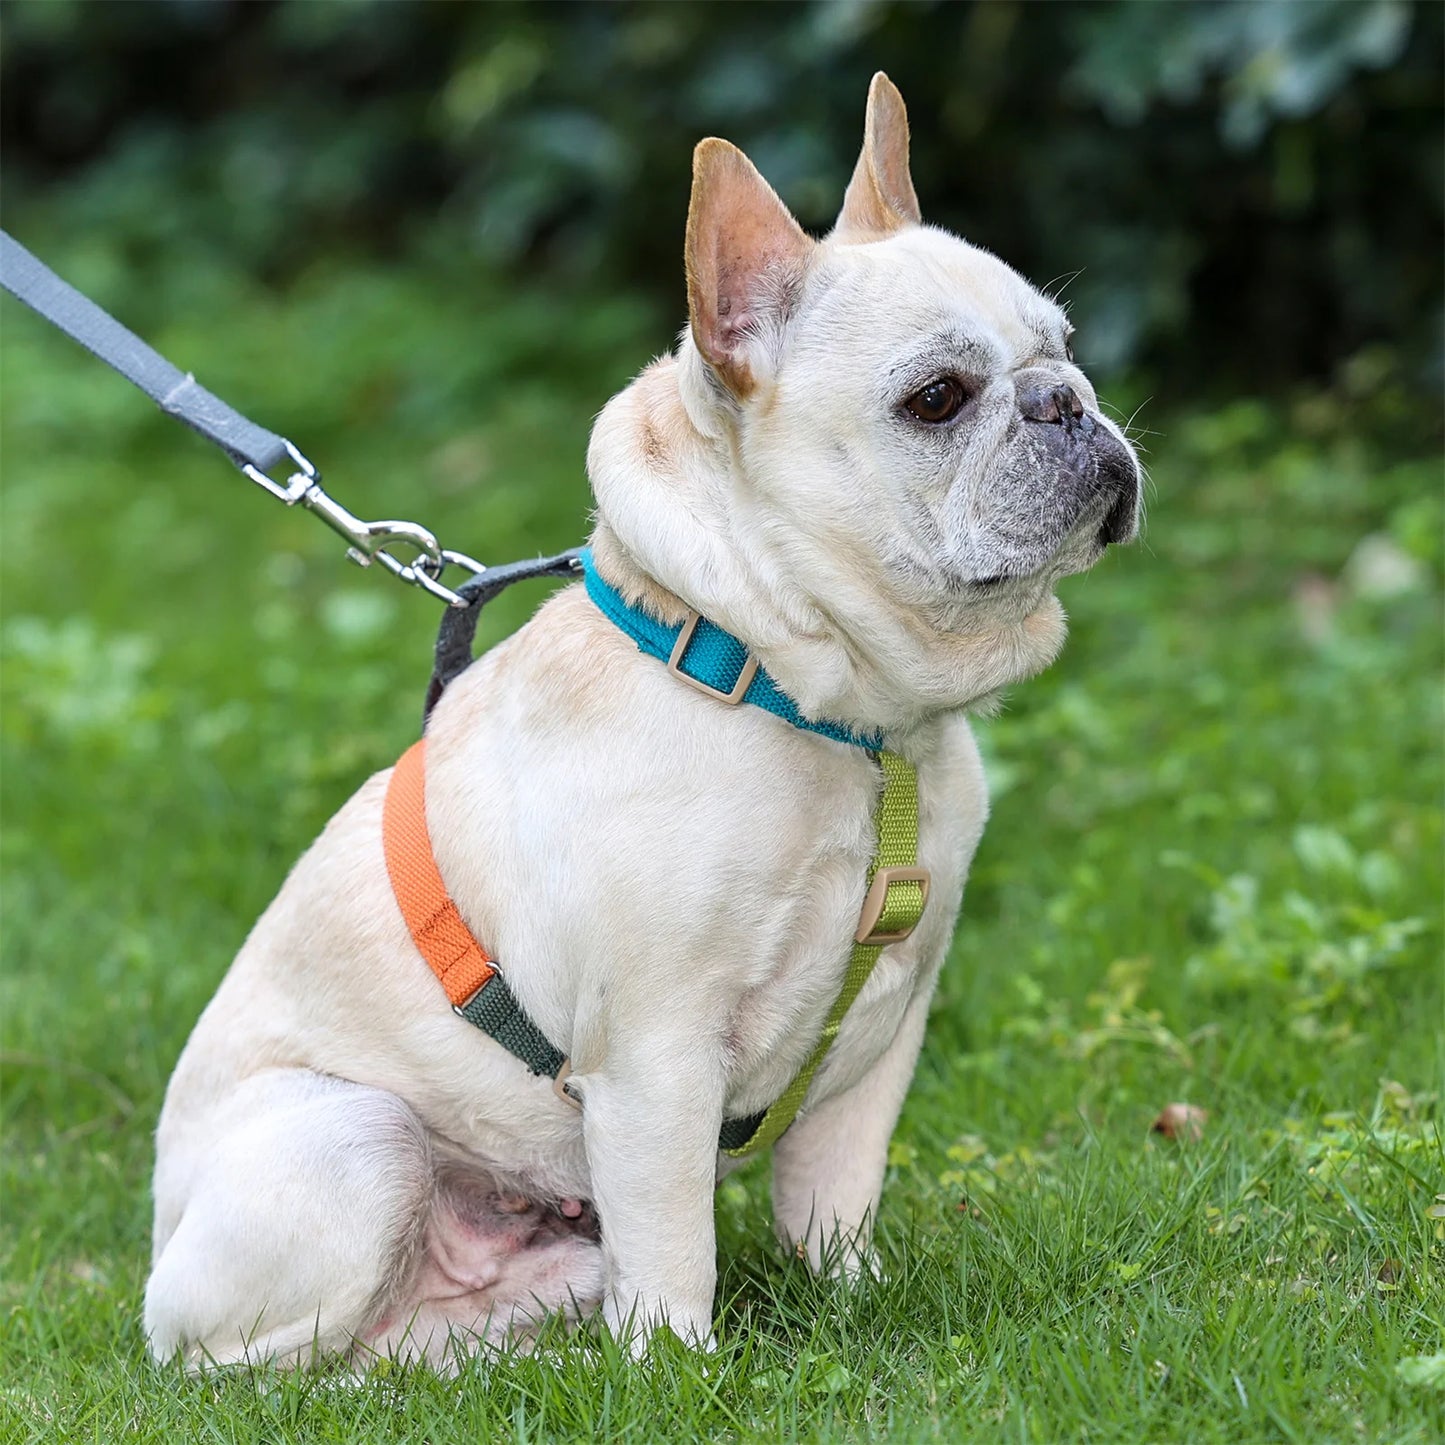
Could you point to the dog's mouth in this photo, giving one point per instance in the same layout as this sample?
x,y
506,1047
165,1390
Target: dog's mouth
x,y
1121,524
1118,526
1093,495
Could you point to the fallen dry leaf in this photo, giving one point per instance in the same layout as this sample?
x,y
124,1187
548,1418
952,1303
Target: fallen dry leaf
x,y
1184,1122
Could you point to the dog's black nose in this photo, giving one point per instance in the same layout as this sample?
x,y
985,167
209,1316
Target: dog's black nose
x,y
1051,401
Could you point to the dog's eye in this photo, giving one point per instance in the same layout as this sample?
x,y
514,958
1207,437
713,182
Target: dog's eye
x,y
939,401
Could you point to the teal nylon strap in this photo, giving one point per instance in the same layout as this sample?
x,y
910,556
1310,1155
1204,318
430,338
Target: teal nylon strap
x,y
714,657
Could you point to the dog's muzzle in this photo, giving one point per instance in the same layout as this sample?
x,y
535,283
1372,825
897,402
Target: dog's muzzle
x,y
1101,459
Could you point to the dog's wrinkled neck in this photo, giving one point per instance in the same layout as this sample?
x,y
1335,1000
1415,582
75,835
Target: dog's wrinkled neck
x,y
680,527
622,570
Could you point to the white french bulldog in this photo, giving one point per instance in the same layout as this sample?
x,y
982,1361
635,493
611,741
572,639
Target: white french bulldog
x,y
870,458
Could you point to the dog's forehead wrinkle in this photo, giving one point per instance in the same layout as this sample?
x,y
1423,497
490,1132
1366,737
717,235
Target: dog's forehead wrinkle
x,y
935,287
961,267
1048,319
950,348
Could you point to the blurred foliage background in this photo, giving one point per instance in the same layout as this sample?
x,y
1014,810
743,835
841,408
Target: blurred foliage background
x,y
427,241
1248,192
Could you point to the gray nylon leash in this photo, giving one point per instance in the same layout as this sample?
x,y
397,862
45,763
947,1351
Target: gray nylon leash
x,y
252,448
176,392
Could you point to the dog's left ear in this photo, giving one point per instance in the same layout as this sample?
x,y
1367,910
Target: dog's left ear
x,y
880,197
746,258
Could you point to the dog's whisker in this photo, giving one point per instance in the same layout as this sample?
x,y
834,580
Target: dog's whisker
x,y
1067,277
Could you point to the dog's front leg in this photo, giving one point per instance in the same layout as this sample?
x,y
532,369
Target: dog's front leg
x,y
828,1167
650,1119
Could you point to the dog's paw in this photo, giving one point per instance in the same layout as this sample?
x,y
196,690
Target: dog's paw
x,y
635,1328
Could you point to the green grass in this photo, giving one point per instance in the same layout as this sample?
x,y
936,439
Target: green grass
x,y
1213,874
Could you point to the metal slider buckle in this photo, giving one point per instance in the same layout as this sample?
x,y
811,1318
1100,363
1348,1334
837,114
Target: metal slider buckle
x,y
674,666
460,1009
876,903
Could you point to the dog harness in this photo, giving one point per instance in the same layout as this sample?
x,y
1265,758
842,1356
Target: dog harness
x,y
718,664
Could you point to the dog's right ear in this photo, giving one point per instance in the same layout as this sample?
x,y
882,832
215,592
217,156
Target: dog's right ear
x,y
880,198
746,257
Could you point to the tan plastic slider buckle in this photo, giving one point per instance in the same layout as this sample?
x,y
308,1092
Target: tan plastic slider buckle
x,y
876,903
674,666
559,1085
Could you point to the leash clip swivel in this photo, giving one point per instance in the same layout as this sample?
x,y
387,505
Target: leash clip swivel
x,y
369,542
296,485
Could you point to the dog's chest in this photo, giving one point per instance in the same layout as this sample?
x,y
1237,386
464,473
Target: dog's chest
x,y
660,875
778,960
776,1023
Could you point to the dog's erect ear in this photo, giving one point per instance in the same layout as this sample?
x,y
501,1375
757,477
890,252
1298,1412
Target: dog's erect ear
x,y
745,259
880,197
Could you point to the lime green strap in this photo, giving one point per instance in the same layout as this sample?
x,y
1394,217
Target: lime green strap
x,y
897,823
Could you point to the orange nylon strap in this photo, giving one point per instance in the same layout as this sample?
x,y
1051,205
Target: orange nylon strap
x,y
437,929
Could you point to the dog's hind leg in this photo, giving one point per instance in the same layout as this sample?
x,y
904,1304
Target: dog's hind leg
x,y
286,1218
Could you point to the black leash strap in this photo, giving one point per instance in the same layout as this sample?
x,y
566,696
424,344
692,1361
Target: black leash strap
x,y
176,392
459,624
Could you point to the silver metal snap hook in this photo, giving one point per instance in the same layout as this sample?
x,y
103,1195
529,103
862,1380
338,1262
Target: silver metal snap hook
x,y
369,542
253,449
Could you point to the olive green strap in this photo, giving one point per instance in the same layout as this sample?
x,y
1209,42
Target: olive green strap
x,y
897,905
